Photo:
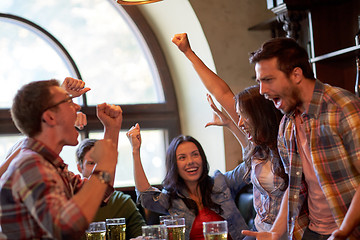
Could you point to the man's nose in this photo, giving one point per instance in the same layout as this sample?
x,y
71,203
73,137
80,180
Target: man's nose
x,y
262,88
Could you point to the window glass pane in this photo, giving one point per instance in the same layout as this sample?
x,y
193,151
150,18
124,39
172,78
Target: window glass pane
x,y
25,57
110,57
6,143
152,157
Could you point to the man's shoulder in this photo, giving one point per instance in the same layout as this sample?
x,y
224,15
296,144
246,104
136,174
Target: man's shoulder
x,y
339,95
120,196
339,100
120,201
28,166
26,158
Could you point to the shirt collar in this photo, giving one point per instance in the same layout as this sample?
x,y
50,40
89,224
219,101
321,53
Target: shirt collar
x,y
315,104
45,152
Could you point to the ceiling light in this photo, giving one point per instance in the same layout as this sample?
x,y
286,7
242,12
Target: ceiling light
x,y
136,2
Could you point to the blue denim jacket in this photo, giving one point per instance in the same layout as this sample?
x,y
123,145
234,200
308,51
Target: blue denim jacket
x,y
226,186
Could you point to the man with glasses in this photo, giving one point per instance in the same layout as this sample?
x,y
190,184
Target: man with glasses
x,y
39,197
75,88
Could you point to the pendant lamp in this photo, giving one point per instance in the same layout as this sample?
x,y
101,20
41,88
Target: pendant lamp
x,y
136,2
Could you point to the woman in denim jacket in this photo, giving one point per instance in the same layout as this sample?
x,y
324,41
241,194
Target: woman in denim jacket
x,y
256,130
189,191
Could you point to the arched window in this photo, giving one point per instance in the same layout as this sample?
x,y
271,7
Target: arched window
x,y
113,50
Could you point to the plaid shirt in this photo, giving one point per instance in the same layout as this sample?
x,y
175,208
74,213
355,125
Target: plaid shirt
x,y
267,204
332,127
36,197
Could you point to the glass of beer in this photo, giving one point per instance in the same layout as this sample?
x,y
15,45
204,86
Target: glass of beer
x,y
163,217
215,230
115,229
96,231
155,232
175,228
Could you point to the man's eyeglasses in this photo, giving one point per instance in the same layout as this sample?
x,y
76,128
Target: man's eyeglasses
x,y
68,99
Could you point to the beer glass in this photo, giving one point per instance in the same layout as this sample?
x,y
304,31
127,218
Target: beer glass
x,y
96,231
215,230
162,218
115,229
155,232
175,228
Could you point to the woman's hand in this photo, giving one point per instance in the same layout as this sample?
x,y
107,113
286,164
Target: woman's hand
x,y
182,42
219,118
134,136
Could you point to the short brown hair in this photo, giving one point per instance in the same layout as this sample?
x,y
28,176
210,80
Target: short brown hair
x,y
289,55
84,146
29,104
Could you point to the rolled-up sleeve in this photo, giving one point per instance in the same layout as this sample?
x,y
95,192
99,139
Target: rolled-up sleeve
x,y
154,199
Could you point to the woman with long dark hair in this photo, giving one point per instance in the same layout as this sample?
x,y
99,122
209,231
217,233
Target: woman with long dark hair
x,y
256,130
188,190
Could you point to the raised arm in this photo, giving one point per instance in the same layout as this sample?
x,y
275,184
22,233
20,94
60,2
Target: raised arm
x,y
220,119
111,118
213,83
76,88
141,181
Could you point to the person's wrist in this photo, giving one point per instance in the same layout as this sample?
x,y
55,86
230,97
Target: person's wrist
x,y
189,52
103,176
136,150
108,167
112,128
345,231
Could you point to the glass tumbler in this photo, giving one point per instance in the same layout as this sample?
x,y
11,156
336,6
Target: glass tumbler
x,y
156,232
116,229
96,231
215,230
175,228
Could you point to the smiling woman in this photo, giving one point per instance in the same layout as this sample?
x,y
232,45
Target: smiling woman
x,y
188,190
96,41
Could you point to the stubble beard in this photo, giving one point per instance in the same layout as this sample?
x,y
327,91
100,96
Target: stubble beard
x,y
294,103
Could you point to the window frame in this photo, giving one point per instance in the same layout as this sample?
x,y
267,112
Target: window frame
x,y
150,116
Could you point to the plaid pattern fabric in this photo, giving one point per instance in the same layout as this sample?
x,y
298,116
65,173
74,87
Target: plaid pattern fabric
x,y
332,127
267,204
35,197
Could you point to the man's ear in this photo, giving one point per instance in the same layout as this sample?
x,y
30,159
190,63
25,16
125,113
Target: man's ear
x,y
79,168
48,117
297,75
